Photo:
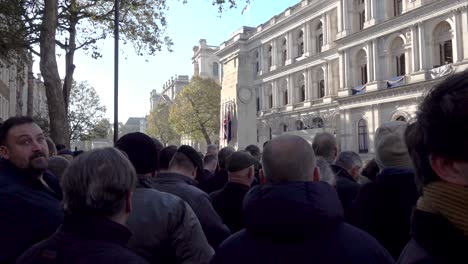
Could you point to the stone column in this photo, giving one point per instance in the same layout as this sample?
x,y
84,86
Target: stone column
x,y
306,84
423,54
375,63
325,78
464,25
290,47
341,69
414,49
261,59
274,55
261,96
309,85
370,63
457,43
291,88
275,93
326,32
307,39
345,18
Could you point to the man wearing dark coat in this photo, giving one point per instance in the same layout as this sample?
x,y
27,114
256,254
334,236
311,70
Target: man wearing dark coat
x,y
294,218
220,178
30,197
180,181
98,188
228,201
438,146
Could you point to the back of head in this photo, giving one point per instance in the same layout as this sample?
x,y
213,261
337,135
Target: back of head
x,y
441,128
223,154
57,165
370,170
326,173
141,151
52,147
254,151
288,158
159,147
186,160
212,149
165,156
324,145
348,160
390,146
98,183
210,160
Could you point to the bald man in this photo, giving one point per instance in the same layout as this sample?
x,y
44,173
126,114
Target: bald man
x,y
294,218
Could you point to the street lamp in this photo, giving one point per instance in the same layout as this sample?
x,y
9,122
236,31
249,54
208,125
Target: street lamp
x,y
116,70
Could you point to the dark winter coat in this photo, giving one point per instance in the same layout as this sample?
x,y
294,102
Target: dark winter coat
x,y
184,187
29,211
165,228
228,204
383,208
434,241
216,182
84,240
298,223
346,187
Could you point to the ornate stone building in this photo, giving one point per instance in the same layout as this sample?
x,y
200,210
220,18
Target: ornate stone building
x,y
339,66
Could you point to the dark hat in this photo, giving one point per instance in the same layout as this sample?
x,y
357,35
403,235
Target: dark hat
x,y
65,151
141,151
194,157
240,160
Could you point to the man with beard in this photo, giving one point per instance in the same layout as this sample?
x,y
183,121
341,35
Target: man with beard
x,y
30,197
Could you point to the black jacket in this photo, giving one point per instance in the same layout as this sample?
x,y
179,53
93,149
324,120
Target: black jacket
x,y
165,228
434,241
29,211
298,223
383,208
184,187
228,204
84,240
346,186
215,183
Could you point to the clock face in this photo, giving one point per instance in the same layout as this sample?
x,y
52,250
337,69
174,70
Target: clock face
x,y
245,95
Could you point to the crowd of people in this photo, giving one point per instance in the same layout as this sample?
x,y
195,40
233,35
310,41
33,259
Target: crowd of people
x,y
289,202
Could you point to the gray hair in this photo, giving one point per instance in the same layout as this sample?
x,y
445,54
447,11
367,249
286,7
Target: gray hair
x,y
288,158
326,173
98,183
348,160
58,165
325,145
223,154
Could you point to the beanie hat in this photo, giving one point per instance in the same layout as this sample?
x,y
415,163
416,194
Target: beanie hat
x,y
141,151
240,160
194,157
390,146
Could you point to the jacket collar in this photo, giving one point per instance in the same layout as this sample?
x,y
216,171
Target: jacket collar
x,y
396,173
175,177
96,228
342,173
235,186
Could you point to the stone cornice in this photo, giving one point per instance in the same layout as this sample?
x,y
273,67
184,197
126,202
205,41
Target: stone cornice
x,y
389,26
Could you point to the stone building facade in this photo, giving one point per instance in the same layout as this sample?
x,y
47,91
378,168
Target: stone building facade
x,y
169,91
343,66
205,62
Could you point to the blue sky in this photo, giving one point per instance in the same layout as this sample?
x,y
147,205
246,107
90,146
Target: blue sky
x,y
187,23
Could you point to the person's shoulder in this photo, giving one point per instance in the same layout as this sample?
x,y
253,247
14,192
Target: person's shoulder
x,y
361,242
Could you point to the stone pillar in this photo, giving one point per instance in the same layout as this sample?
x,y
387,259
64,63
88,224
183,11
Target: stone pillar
x,y
307,39
275,93
339,17
261,59
341,69
464,25
370,63
306,84
261,96
274,55
313,40
375,63
457,43
328,78
309,85
423,54
326,31
290,47
291,88
346,25
414,49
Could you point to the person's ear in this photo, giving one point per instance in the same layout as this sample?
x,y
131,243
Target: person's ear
x,y
448,170
4,153
128,203
263,179
194,172
316,174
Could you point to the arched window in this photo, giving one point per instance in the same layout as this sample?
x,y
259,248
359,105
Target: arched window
x,y
284,52
300,44
443,44
361,60
269,96
360,17
317,122
299,125
270,100
319,40
401,118
398,57
285,97
397,7
302,95
215,69
258,103
363,136
320,84
285,128
270,56
300,88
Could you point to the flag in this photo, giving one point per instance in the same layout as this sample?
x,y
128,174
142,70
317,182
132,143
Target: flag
x,y
225,123
229,125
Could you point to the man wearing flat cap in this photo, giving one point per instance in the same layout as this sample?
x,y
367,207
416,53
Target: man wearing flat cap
x,y
185,165
228,201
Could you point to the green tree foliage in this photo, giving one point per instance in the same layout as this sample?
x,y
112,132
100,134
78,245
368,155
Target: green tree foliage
x,y
102,129
160,128
195,112
86,113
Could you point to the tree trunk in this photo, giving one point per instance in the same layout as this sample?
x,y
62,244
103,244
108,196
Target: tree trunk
x,y
48,64
205,135
70,57
30,105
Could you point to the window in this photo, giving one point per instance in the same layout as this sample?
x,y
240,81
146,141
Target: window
x,y
302,93
362,19
363,136
398,57
270,100
299,125
400,65
270,57
258,103
321,89
317,122
215,69
362,67
285,97
397,7
257,63
401,118
300,46
319,38
284,53
443,49
271,134
258,137
285,128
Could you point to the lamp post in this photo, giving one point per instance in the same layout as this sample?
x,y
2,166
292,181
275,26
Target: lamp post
x,y
116,70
